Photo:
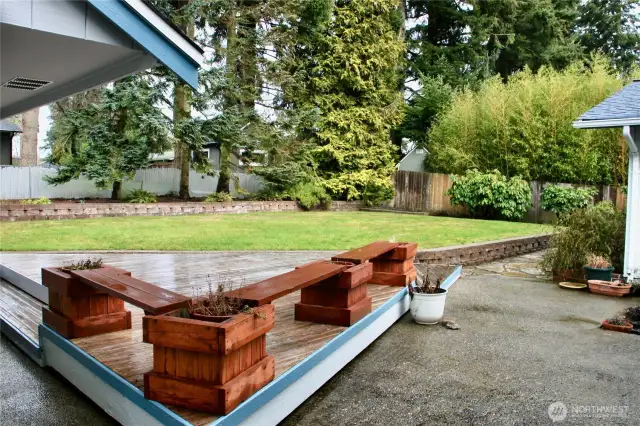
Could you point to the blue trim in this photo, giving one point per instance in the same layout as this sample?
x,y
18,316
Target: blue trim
x,y
452,278
126,389
270,391
150,38
21,340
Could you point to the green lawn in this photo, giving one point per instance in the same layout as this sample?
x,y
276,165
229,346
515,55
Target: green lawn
x,y
254,231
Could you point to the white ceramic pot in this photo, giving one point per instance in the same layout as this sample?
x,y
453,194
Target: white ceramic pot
x,y
428,308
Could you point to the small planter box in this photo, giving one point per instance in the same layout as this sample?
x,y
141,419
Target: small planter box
x,y
339,300
77,310
395,268
208,366
608,288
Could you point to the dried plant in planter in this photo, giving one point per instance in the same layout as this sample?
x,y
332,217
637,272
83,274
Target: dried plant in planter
x,y
428,285
215,305
598,262
618,320
83,265
632,314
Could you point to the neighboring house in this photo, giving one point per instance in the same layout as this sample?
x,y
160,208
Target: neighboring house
x,y
212,151
7,131
623,110
413,161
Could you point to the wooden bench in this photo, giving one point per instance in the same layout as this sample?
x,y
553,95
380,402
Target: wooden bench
x,y
392,262
153,299
366,253
273,288
88,302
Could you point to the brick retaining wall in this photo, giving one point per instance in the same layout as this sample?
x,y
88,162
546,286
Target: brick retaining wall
x,y
471,254
13,212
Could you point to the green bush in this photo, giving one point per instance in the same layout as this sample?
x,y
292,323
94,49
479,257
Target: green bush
x,y
218,197
491,195
561,200
309,196
524,127
375,193
140,196
41,200
598,229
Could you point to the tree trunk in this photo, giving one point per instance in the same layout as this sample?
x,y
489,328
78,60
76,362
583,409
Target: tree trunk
x,y
29,138
224,176
396,134
182,111
116,190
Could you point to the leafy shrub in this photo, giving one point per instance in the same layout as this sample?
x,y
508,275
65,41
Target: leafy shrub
x,y
218,197
598,230
491,195
140,196
41,200
375,193
309,195
561,200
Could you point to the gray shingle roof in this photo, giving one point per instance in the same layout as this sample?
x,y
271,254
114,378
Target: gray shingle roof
x,y
625,103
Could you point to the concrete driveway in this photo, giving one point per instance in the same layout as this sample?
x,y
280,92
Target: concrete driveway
x,y
523,345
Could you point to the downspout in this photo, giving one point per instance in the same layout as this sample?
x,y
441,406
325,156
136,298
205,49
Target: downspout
x,y
632,233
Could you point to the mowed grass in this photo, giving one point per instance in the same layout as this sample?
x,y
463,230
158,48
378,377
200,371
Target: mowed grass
x,y
253,231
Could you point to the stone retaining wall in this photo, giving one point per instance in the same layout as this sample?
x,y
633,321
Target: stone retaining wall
x,y
471,254
13,212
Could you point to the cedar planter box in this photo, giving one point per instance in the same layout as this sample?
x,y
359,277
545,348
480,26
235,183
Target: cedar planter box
x,y
78,310
339,300
396,267
208,366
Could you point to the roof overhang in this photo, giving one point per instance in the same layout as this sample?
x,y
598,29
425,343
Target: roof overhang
x,y
51,49
601,124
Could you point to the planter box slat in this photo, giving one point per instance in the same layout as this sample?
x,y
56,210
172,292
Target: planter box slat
x,y
398,280
392,266
402,252
87,326
356,275
201,395
333,297
334,316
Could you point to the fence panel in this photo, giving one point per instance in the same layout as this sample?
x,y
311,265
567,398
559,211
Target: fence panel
x,y
17,183
426,192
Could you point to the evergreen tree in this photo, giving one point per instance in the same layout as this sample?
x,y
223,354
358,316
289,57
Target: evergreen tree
x,y
108,141
613,28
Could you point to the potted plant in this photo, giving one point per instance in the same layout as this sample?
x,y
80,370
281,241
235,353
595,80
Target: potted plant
x,y
427,300
598,268
617,323
616,288
633,316
217,349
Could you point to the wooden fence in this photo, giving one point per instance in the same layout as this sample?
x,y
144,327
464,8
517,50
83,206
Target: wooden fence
x,y
426,192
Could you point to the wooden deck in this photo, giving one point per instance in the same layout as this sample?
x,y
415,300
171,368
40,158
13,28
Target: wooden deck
x,y
124,352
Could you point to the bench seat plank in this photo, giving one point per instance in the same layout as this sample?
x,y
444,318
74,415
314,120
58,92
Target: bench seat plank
x,y
365,253
266,291
149,297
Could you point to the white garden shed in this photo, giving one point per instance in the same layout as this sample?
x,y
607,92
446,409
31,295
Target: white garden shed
x,y
623,110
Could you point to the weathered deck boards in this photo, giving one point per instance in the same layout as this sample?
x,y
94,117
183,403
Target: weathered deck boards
x,y
124,352
22,310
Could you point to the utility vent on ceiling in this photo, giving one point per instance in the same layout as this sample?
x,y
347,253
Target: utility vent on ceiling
x,y
24,83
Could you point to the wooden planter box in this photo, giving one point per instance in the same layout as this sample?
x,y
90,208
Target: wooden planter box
x,y
208,366
77,310
396,267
